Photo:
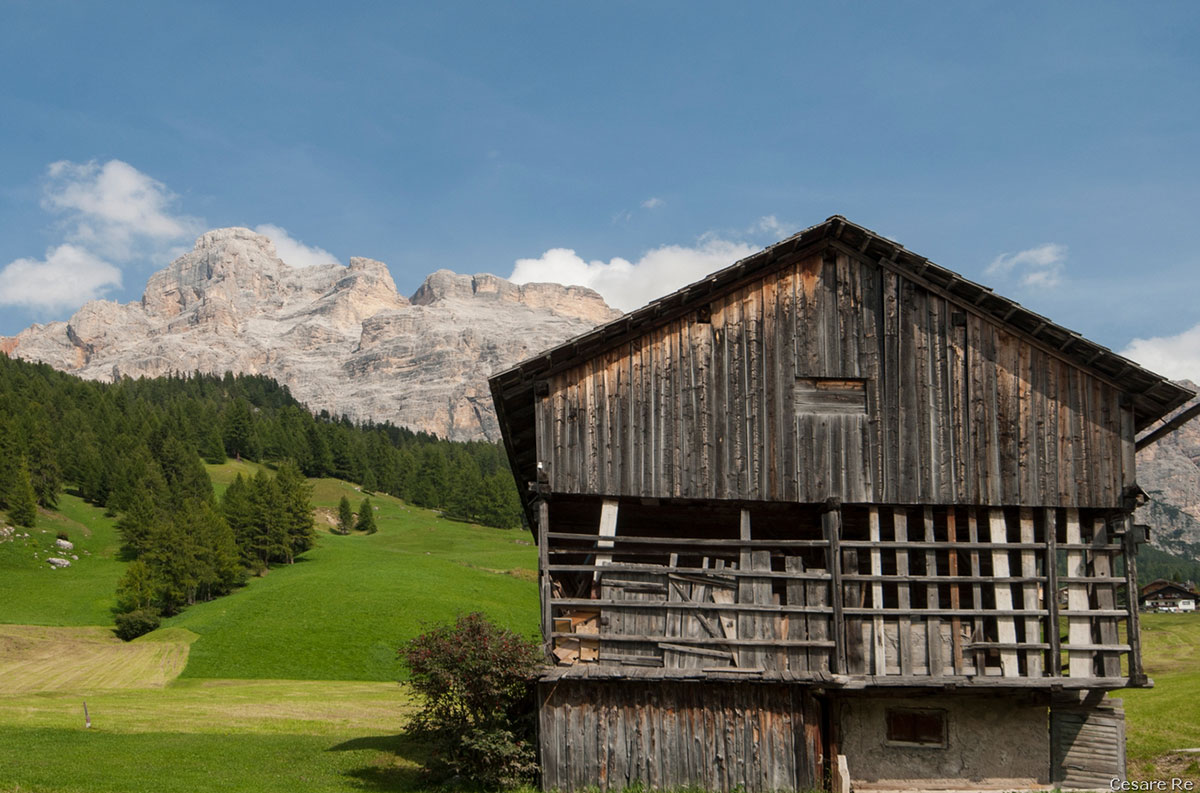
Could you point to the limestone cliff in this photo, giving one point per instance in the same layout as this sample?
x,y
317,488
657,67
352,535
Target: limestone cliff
x,y
340,337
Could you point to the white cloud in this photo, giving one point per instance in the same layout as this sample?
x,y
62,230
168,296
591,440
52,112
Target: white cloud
x,y
1177,357
114,210
627,285
68,277
1040,267
771,225
654,202
292,251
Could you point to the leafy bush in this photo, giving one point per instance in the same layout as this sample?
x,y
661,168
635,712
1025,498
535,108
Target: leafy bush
x,y
476,680
138,622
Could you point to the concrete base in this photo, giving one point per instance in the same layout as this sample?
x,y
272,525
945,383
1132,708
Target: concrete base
x,y
998,742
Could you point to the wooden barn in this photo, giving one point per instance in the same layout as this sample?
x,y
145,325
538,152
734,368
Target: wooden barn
x,y
802,523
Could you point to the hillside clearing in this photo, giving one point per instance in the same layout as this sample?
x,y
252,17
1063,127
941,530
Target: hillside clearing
x,y
44,659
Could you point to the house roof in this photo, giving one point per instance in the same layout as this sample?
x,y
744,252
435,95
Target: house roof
x,y
1161,586
1153,396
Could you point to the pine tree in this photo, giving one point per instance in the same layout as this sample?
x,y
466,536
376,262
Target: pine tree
x,y
345,516
22,501
44,473
212,448
297,507
138,587
239,431
270,538
237,506
365,521
369,485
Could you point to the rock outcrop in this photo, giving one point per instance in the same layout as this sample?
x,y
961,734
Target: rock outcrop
x,y
340,337
1169,472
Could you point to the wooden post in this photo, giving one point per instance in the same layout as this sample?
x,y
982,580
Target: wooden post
x,y
1053,632
1033,657
1110,662
543,529
978,659
878,646
1079,631
831,524
933,625
904,626
1131,602
608,528
1006,627
955,599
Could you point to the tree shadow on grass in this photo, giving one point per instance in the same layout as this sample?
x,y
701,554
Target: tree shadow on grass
x,y
399,767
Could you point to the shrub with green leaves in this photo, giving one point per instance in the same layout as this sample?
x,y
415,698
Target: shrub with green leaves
x,y
138,622
476,680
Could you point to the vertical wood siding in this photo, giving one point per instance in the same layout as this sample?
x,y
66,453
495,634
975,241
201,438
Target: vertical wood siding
x,y
959,410
669,736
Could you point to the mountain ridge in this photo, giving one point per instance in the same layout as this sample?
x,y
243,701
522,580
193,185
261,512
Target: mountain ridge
x,y
340,337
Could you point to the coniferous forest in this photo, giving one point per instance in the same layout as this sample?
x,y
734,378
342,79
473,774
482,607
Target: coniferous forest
x,y
137,447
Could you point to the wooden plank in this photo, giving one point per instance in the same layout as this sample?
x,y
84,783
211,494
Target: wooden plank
x,y
1079,630
1006,629
1133,630
1053,632
976,589
1110,663
608,528
832,529
797,660
747,621
543,528
956,639
933,626
853,593
904,602
878,645
1033,630
819,626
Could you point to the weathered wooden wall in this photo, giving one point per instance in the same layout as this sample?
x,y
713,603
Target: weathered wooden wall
x,y
714,736
957,409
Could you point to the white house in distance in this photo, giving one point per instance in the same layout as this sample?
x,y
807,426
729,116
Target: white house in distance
x,y
1163,595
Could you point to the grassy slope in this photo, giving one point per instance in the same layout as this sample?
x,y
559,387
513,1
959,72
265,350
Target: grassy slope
x,y
340,612
1166,718
290,735
33,593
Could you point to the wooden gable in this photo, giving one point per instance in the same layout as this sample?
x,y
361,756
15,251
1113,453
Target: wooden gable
x,y
828,368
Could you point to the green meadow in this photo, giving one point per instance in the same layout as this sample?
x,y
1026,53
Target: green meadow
x,y
289,683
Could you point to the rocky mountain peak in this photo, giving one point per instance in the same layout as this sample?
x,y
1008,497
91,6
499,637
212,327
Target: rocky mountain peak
x,y
341,338
570,301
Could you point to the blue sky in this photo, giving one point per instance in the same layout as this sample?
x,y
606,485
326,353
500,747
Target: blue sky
x,y
1046,149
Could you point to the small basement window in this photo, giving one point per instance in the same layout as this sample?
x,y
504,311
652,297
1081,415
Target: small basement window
x,y
913,727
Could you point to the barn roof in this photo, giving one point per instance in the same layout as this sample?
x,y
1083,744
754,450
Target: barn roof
x,y
1153,396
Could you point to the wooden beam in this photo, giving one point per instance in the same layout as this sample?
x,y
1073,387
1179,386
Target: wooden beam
x,y
1033,625
878,645
831,525
1006,629
904,627
608,528
1110,663
543,528
1079,631
1051,596
1169,427
1132,594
